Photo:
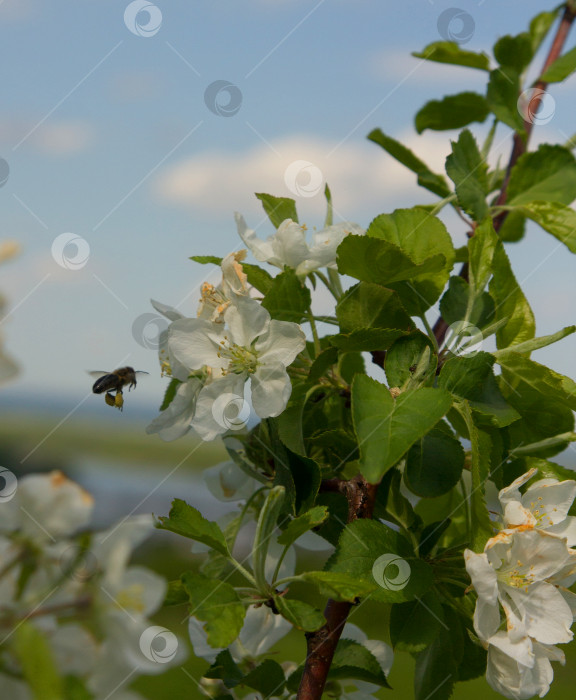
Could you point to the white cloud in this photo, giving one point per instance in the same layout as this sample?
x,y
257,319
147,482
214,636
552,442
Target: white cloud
x,y
53,138
361,176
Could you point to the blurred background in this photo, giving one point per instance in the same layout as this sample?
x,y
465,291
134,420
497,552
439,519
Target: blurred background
x,y
129,135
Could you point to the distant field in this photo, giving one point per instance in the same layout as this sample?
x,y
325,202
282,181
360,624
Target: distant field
x,y
37,442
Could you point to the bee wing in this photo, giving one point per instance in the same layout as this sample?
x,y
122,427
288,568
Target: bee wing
x,y
97,374
141,372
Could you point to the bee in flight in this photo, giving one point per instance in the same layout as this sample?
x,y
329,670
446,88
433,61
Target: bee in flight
x,y
114,381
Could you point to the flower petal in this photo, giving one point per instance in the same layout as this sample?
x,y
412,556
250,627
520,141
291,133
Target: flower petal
x,y
271,389
282,342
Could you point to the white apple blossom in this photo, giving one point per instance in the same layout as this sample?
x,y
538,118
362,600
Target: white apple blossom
x,y
227,482
514,572
288,246
520,669
248,346
46,507
544,505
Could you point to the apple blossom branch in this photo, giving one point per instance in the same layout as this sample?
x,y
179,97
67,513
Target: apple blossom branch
x,y
520,141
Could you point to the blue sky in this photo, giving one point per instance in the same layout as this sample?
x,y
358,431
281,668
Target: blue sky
x,y
108,137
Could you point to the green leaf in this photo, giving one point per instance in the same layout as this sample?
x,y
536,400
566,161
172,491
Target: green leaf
x,y
287,299
482,247
415,625
216,603
354,661
437,667
258,278
325,360
187,521
422,237
547,174
267,678
297,527
520,371
472,378
338,586
278,208
556,218
391,504
434,464
511,304
290,422
269,514
404,357
529,346
426,178
75,689
372,260
226,669
561,69
366,340
540,26
386,428
450,52
299,475
561,440
176,593
468,171
372,552
452,112
481,450
170,393
454,304
206,259
513,228
368,305
37,662
502,96
300,614
514,51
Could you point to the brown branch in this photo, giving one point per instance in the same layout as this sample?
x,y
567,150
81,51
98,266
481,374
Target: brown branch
x,y
321,644
520,142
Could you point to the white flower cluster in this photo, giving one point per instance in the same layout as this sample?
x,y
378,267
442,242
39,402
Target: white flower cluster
x,y
233,340
49,580
522,580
